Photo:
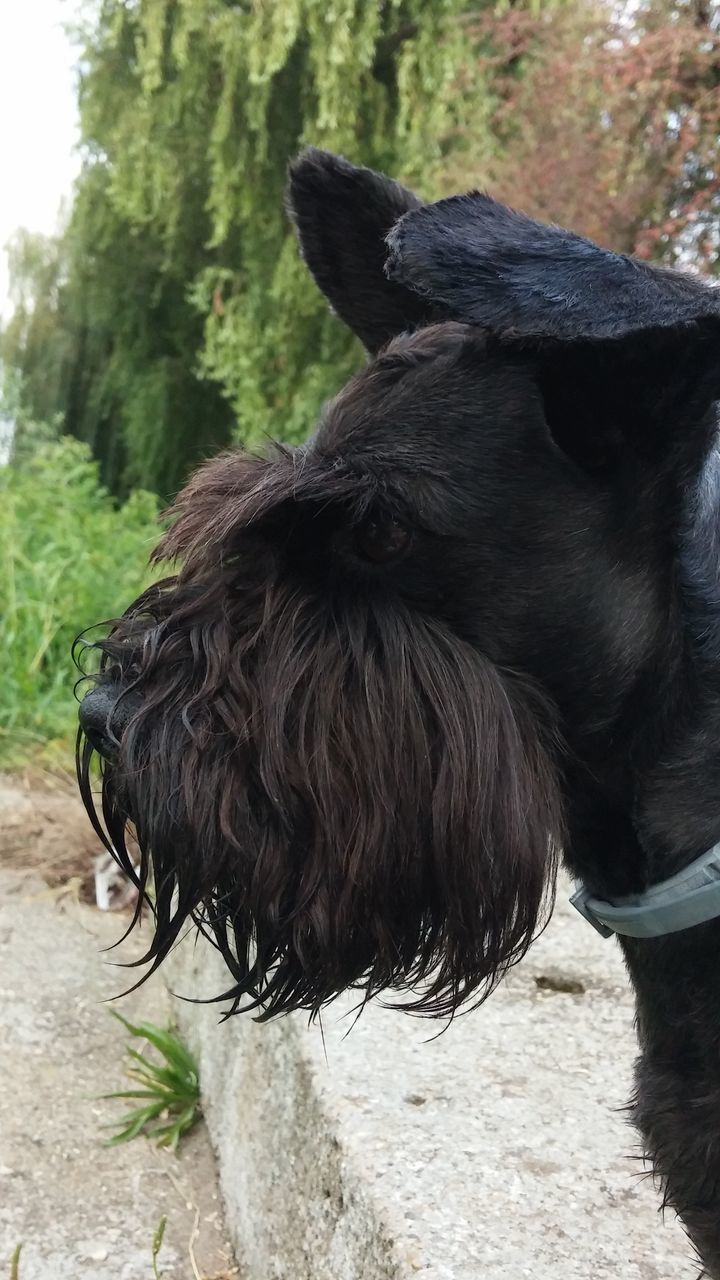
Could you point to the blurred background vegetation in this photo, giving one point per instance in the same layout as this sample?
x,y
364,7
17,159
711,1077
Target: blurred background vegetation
x,y
172,315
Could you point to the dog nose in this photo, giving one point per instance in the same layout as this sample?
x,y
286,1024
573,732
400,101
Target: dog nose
x,y
103,716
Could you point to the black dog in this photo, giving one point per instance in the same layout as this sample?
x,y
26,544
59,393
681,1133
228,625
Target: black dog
x,y
473,623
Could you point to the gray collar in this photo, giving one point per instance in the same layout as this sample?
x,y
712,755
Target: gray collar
x,y
691,897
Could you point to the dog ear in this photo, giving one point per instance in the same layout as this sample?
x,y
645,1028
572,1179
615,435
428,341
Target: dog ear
x,y
342,215
625,349
492,266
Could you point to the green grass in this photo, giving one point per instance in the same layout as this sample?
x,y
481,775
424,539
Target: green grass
x,y
168,1090
69,558
157,1245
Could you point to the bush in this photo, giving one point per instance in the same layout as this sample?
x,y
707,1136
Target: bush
x,y
69,558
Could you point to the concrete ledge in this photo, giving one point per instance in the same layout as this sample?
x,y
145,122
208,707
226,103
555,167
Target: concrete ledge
x,y
494,1152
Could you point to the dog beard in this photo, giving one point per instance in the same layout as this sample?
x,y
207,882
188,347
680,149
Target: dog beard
x,y
335,787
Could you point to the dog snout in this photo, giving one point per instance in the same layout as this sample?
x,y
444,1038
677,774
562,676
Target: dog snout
x,y
104,713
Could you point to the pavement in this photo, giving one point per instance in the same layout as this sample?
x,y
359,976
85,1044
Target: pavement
x,y
82,1210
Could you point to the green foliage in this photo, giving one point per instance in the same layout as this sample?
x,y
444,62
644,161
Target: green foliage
x,y
212,98
20,434
174,308
34,342
169,1093
68,558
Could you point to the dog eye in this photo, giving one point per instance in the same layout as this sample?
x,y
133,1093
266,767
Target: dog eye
x,y
381,539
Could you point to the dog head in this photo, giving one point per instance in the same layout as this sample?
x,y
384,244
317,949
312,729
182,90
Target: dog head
x,y
344,728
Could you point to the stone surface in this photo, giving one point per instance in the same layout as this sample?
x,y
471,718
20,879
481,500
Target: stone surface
x,y
82,1210
496,1151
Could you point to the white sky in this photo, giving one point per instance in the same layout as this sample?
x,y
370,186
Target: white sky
x,y
38,118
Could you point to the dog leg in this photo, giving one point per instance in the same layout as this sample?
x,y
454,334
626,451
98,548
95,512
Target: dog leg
x,y
676,1106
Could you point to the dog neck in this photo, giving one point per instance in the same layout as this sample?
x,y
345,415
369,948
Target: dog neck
x,y
676,809
642,800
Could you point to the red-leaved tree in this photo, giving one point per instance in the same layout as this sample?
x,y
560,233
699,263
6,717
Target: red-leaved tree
x,y
606,119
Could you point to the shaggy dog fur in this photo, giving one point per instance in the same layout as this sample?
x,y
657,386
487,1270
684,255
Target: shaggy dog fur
x,y
474,623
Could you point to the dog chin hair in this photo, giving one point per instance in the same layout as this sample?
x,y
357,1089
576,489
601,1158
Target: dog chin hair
x,y
340,791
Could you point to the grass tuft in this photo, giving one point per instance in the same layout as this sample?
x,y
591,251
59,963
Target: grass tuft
x,y
168,1090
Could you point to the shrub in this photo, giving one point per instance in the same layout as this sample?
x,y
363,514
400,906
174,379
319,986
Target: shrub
x,y
69,558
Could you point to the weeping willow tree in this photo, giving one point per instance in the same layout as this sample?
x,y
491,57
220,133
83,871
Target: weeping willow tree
x,y
186,312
